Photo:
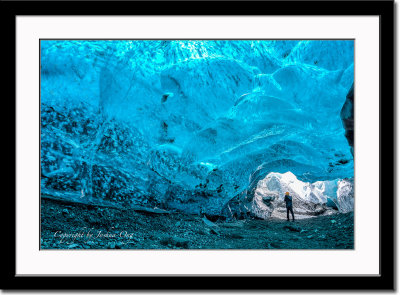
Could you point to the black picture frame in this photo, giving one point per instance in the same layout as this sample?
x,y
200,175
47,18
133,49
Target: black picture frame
x,y
385,11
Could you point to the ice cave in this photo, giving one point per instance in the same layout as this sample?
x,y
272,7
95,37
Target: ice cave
x,y
216,127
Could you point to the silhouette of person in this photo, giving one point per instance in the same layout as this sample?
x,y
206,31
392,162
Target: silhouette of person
x,y
289,205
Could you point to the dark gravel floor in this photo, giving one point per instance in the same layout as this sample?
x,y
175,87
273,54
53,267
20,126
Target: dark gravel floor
x,y
81,226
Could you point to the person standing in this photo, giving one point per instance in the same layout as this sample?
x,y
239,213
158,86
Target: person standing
x,y
289,205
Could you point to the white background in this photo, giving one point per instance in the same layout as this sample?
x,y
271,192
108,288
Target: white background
x,y
363,260
54,32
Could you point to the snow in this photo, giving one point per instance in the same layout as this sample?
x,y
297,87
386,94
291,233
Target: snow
x,y
305,196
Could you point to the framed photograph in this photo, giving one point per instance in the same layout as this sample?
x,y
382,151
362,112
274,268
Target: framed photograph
x,y
239,147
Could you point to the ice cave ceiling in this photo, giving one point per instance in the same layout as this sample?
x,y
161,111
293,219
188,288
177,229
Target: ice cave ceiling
x,y
171,121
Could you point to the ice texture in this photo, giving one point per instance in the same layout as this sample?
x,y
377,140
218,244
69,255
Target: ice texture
x,y
190,124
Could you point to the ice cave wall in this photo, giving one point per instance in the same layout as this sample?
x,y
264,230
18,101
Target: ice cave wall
x,y
185,124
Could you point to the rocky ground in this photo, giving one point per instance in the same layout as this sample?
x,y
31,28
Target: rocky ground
x,y
67,225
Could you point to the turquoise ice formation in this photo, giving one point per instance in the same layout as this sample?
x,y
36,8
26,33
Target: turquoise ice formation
x,y
185,124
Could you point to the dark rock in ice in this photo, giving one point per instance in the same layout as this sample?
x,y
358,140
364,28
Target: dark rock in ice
x,y
347,116
164,97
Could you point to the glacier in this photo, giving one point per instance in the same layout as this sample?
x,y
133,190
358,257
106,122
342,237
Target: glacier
x,y
311,199
198,125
